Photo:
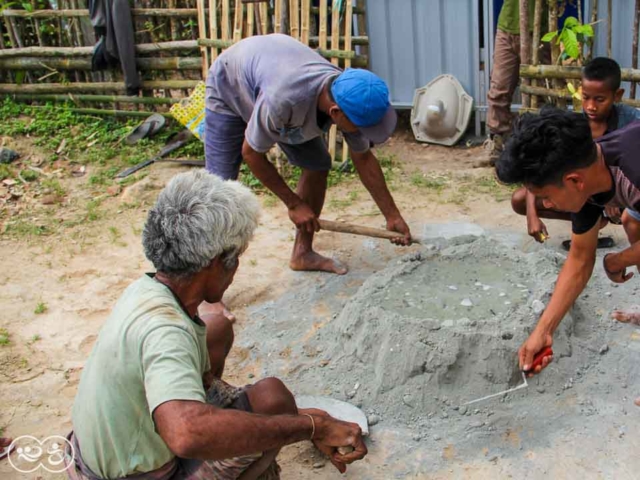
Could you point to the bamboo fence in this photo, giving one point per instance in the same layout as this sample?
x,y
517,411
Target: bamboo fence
x,y
45,53
549,82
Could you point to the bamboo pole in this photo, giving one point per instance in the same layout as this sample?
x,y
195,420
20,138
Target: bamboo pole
x,y
251,14
77,63
224,21
348,27
36,97
535,54
294,18
213,27
110,113
68,13
634,48
561,72
277,17
554,93
238,19
322,26
305,15
142,48
610,28
94,87
525,46
361,10
335,39
202,32
263,11
555,48
594,19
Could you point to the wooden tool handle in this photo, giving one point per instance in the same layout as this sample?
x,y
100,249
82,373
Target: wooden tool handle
x,y
359,230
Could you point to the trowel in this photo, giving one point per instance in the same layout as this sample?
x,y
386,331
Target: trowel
x,y
337,409
537,360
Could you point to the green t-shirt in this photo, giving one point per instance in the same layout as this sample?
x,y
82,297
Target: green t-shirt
x,y
148,352
509,19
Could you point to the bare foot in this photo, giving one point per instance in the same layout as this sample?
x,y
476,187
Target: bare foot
x,y
312,261
216,309
630,315
637,402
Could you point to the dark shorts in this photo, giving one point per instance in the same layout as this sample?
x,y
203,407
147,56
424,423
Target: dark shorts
x,y
224,136
221,395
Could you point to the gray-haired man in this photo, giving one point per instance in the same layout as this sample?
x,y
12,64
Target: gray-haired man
x,y
151,402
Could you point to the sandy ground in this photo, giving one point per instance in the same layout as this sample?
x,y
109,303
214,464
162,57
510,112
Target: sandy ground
x,y
80,276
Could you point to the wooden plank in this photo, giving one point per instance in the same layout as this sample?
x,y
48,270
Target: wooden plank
x,y
70,13
322,25
94,87
142,48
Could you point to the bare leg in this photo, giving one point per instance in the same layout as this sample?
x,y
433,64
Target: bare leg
x,y
312,188
268,397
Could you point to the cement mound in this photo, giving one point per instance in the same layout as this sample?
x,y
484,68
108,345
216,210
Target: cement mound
x,y
438,327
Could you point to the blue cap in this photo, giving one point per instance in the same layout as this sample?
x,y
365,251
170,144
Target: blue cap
x,y
364,99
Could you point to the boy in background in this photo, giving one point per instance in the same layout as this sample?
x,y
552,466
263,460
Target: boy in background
x,y
601,96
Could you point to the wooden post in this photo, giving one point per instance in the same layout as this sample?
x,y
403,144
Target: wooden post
x,y
609,28
202,33
525,46
537,18
634,49
348,24
335,44
294,18
263,10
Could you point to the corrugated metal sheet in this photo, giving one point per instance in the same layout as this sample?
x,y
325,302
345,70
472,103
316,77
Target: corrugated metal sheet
x,y
622,41
414,41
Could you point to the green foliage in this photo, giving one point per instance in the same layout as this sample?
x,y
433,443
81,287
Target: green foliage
x,y
5,171
41,308
54,185
4,337
573,35
29,175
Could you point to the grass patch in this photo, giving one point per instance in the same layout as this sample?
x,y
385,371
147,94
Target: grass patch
x,y
338,203
270,200
4,337
34,339
25,228
54,186
93,212
5,171
29,175
41,308
437,183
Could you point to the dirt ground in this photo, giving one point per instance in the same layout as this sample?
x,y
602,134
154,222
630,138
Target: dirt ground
x,y
57,291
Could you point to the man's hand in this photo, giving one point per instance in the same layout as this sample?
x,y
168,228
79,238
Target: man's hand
x,y
536,342
304,218
397,224
537,229
331,434
613,214
616,272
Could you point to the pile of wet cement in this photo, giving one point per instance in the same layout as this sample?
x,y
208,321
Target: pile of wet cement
x,y
436,327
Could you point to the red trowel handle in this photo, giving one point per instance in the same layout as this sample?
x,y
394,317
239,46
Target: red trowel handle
x,y
537,360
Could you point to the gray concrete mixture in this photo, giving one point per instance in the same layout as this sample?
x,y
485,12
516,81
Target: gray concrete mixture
x,y
442,326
